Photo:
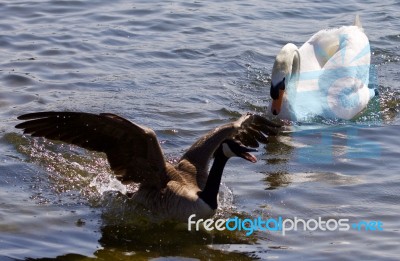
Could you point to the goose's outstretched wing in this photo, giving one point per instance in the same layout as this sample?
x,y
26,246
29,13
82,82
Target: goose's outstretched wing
x,y
133,151
250,130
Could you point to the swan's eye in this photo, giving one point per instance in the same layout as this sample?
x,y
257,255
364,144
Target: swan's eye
x,y
275,89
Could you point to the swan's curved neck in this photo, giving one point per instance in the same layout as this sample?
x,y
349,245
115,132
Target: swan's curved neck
x,y
210,192
287,65
284,80
295,66
293,73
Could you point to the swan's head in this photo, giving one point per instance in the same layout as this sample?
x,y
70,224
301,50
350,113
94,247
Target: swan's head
x,y
286,63
233,148
277,92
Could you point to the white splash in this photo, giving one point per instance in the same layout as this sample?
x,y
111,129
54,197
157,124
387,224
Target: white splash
x,y
104,182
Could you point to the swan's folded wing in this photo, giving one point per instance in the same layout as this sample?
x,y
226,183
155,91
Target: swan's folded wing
x,y
133,151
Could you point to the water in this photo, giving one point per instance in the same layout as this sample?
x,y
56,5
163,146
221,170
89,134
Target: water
x,y
183,68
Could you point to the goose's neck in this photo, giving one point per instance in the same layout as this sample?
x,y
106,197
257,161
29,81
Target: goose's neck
x,y
210,191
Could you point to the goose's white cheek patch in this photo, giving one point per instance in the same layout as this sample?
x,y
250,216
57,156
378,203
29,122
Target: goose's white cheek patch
x,y
227,151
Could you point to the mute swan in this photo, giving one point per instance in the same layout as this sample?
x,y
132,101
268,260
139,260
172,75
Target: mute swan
x,y
327,76
134,154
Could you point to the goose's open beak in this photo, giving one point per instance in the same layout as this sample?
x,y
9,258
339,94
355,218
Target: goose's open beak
x,y
277,104
245,154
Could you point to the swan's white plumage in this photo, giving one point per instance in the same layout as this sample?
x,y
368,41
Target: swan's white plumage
x,y
332,80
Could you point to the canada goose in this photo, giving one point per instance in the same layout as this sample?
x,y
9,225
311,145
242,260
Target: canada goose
x,y
134,154
327,76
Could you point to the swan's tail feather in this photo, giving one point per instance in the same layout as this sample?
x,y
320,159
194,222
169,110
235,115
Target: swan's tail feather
x,y
357,22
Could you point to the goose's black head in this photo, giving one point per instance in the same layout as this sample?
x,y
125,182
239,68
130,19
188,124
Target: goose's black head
x,y
233,148
227,149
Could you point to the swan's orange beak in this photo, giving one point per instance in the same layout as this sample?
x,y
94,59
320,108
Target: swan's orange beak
x,y
277,104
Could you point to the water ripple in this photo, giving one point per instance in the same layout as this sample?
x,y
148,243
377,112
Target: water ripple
x,y
183,68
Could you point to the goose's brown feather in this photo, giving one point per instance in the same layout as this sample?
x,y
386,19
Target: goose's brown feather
x,y
133,151
135,155
250,129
